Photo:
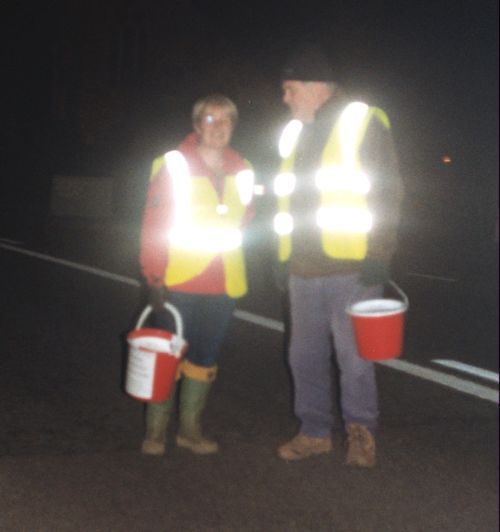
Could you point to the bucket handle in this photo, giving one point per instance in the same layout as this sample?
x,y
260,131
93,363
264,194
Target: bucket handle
x,y
403,296
400,292
168,306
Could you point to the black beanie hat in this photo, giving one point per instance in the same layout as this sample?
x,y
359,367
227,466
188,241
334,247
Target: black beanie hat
x,y
307,63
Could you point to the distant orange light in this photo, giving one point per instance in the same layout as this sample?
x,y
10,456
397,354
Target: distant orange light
x,y
446,159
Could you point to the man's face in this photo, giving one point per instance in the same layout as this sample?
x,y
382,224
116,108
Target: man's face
x,y
301,98
215,128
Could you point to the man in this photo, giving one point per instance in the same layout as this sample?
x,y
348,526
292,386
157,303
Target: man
x,y
338,193
198,204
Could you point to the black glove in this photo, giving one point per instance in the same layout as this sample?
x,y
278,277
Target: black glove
x,y
156,298
280,274
373,272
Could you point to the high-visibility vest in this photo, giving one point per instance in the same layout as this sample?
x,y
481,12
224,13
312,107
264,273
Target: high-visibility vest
x,y
343,216
205,226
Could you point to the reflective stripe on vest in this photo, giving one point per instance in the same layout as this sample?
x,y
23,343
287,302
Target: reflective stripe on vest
x,y
204,226
343,216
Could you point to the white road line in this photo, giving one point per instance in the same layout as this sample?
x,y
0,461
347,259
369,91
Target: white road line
x,y
267,323
433,277
471,388
9,241
477,390
467,368
75,265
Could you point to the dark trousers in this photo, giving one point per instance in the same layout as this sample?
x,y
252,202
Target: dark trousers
x,y
206,319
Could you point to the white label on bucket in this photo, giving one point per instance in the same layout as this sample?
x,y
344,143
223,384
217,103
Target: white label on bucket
x,y
162,346
152,343
140,373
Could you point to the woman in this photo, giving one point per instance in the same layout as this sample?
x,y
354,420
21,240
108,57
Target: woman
x,y
198,203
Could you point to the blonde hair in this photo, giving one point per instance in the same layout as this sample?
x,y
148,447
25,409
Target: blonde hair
x,y
215,100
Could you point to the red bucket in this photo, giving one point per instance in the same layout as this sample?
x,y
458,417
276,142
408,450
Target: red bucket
x,y
379,326
153,360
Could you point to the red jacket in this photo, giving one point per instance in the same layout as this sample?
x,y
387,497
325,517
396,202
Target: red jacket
x,y
158,219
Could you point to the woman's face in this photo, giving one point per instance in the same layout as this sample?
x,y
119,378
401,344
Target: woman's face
x,y
215,128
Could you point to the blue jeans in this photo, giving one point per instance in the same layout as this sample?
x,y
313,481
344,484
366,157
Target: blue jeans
x,y
317,309
205,318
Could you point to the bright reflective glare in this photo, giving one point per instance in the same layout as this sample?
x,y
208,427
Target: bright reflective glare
x,y
205,239
284,184
176,164
289,138
178,169
350,123
245,184
283,223
259,190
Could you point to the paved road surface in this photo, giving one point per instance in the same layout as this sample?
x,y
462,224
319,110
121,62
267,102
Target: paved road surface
x,y
69,442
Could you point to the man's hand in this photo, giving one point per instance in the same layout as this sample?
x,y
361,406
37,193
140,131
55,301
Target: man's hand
x,y
156,298
373,272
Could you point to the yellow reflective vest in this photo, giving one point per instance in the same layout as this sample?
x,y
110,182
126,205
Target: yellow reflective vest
x,y
205,226
343,216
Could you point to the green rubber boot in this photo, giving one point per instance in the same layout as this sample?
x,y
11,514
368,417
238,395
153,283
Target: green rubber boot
x,y
157,417
193,398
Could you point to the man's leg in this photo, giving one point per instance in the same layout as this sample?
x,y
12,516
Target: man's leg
x,y
358,390
310,363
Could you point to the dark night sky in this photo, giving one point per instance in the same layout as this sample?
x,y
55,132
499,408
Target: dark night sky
x,y
433,65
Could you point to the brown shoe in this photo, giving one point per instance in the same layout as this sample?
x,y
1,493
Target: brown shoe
x,y
303,446
360,446
153,447
197,446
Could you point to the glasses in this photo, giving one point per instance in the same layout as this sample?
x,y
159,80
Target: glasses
x,y
211,120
